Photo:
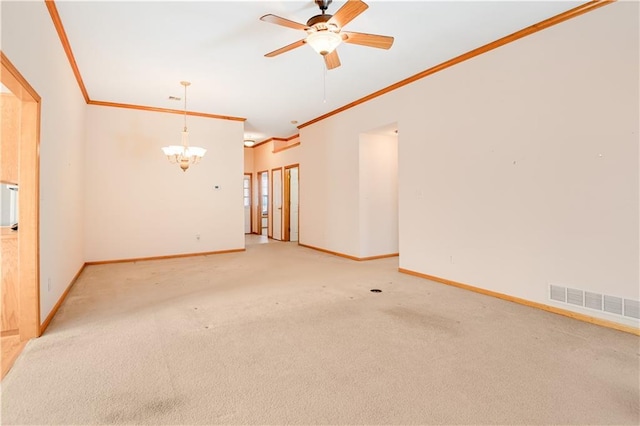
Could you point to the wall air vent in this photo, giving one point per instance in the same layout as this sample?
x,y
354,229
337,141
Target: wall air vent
x,y
598,302
592,300
558,293
631,308
575,297
613,305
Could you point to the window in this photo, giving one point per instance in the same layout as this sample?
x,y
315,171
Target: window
x,y
247,191
264,183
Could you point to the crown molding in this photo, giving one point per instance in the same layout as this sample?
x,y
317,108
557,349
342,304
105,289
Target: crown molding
x,y
57,23
554,20
170,111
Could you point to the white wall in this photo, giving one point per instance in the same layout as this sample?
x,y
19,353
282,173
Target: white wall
x,y
31,43
139,205
378,192
329,184
517,168
248,160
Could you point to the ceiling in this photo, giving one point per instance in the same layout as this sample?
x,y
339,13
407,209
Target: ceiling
x,y
138,52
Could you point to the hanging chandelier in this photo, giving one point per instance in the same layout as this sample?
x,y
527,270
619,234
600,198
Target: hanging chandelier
x,y
184,155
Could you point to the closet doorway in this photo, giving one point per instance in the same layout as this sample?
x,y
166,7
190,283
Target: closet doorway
x,y
291,203
20,247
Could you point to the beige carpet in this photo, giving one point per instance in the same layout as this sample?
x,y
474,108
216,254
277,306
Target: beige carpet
x,y
281,334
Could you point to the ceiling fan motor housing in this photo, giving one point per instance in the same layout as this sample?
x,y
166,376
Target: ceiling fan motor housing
x,y
323,4
319,19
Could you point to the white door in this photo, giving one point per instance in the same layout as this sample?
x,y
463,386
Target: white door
x,y
246,192
276,176
293,204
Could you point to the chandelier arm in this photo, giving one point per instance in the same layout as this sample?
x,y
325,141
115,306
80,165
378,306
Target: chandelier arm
x,y
184,155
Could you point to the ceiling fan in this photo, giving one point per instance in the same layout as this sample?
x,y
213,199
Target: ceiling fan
x,y
324,31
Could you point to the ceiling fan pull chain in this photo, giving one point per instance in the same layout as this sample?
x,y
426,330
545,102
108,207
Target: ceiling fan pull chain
x,y
324,84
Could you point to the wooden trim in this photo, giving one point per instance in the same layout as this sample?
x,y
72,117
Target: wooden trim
x,y
261,143
169,111
269,140
380,256
297,135
348,256
57,22
287,201
270,206
29,219
335,253
35,175
7,333
29,207
553,309
554,20
171,256
15,82
292,166
62,298
284,148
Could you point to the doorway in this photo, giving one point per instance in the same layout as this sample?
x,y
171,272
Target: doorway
x,y
20,105
291,203
263,203
378,192
276,200
246,195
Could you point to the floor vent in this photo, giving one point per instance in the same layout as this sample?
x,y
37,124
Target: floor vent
x,y
598,302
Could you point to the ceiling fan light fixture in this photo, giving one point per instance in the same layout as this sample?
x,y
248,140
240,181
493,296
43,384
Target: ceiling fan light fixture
x,y
323,42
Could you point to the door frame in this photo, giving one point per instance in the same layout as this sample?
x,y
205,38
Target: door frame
x,y
271,200
259,212
287,202
28,199
250,200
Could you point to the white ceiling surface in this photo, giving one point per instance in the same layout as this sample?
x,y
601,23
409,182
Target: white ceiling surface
x,y
138,52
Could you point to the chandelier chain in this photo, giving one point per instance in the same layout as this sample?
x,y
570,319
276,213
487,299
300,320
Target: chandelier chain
x,y
184,155
185,107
